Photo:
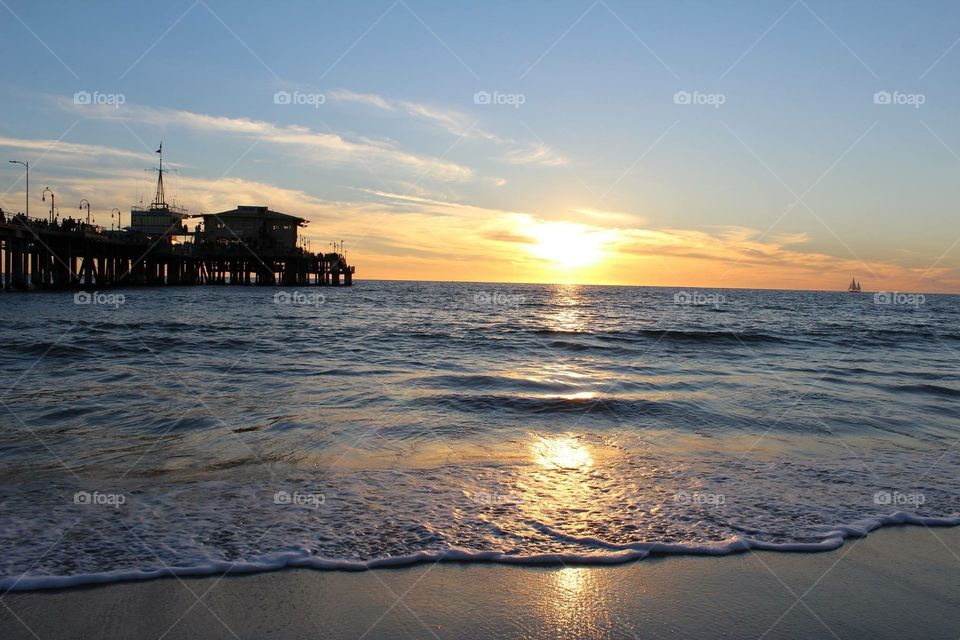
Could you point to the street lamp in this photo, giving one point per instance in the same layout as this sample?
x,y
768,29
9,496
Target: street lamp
x,y
118,218
27,194
43,198
88,208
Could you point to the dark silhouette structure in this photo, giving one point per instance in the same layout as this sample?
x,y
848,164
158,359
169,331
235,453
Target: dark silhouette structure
x,y
248,245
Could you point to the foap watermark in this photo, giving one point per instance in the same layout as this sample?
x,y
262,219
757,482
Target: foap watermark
x,y
299,499
497,298
715,100
895,297
496,98
98,499
299,98
699,497
897,498
496,499
699,298
898,98
99,99
99,298
300,298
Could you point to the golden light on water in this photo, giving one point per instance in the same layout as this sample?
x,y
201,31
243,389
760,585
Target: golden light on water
x,y
579,395
561,453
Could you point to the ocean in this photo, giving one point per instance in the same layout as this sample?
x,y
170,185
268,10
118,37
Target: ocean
x,y
211,429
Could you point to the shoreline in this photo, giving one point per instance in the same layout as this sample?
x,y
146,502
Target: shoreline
x,y
899,581
619,554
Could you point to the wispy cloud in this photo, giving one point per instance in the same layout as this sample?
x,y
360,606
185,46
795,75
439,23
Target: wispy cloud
x,y
457,124
317,146
61,150
448,120
535,153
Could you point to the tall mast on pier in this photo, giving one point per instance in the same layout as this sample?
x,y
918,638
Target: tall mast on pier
x,y
159,202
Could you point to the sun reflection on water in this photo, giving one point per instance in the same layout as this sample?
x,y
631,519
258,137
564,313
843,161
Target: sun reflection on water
x,y
561,453
567,313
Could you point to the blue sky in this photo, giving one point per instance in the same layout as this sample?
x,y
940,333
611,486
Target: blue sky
x,y
796,180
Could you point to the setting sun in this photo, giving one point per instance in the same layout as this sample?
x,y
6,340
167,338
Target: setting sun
x,y
567,244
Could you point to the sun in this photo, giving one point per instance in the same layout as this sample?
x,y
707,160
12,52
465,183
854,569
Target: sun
x,y
566,244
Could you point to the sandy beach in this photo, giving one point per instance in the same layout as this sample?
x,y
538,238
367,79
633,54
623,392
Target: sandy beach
x,y
897,583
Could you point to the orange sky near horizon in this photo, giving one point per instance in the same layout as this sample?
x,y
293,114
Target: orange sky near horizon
x,y
519,248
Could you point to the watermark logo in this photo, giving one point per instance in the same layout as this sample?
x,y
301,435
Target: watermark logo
x,y
514,100
497,298
496,499
99,499
299,98
699,498
99,298
896,498
715,100
96,98
299,298
899,98
698,298
895,297
299,499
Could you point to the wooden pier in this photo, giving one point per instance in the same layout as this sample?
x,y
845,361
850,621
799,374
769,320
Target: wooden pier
x,y
40,255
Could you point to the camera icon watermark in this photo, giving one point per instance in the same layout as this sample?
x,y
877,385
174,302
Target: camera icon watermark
x,y
715,100
915,100
497,298
496,499
99,298
299,98
897,298
896,498
98,99
515,100
96,498
299,298
299,499
698,298
703,498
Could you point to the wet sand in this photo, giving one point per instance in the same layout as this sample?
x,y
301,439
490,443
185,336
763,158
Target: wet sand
x,y
898,582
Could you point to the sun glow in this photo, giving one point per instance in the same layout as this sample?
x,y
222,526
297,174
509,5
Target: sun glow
x,y
567,244
561,453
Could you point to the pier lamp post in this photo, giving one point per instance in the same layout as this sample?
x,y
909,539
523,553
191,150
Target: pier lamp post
x,y
88,208
118,218
43,198
26,196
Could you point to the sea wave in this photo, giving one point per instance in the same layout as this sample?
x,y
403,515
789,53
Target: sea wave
x,y
599,553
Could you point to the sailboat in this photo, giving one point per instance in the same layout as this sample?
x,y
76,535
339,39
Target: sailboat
x,y
854,286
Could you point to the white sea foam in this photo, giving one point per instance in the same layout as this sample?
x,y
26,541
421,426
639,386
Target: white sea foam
x,y
613,554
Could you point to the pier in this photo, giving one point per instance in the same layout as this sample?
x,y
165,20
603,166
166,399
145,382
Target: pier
x,y
248,245
39,255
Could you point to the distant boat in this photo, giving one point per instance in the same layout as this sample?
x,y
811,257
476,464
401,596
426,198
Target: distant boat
x,y
854,286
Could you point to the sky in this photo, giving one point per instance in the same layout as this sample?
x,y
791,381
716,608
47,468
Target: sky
x,y
776,144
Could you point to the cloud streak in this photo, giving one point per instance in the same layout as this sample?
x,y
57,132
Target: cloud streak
x,y
317,146
457,124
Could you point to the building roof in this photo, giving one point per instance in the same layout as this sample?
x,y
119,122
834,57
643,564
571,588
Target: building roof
x,y
248,211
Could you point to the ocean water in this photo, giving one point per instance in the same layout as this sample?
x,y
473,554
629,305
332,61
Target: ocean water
x,y
205,430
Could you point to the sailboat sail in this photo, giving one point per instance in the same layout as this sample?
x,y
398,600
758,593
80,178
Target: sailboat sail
x,y
854,285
